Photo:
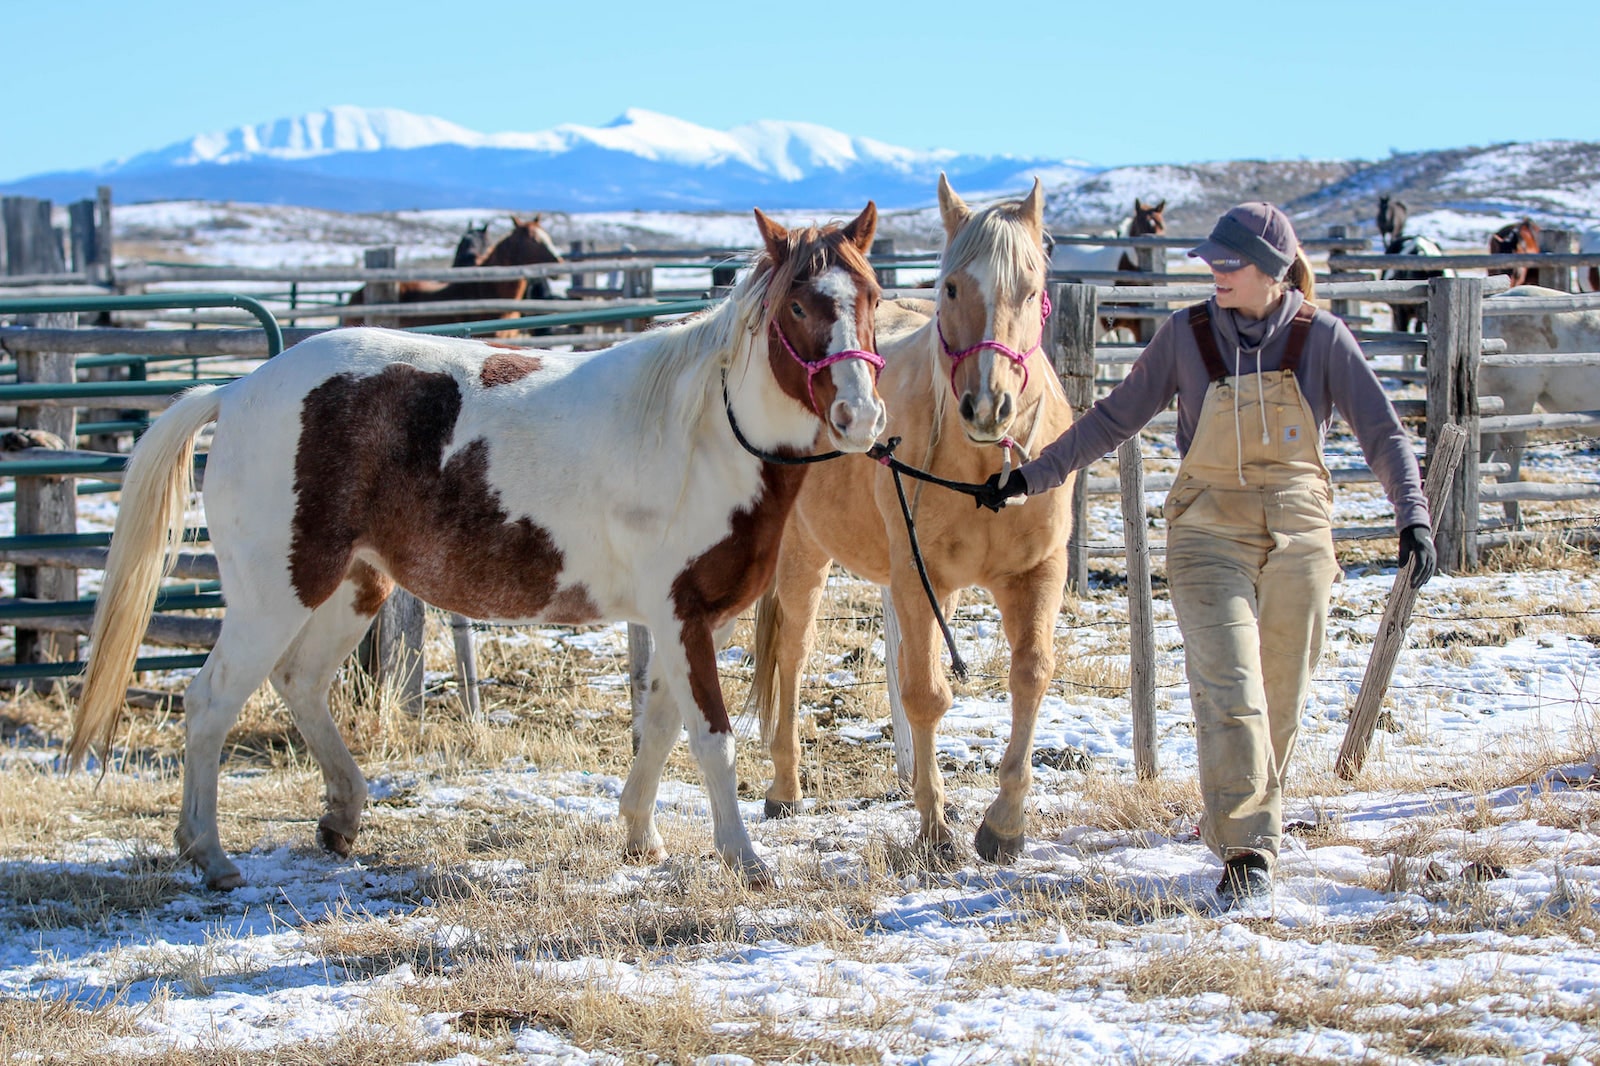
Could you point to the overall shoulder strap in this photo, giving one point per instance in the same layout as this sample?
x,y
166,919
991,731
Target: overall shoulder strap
x,y
1299,330
1200,324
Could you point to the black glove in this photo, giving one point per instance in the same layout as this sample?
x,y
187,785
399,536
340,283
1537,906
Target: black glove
x,y
1417,540
992,496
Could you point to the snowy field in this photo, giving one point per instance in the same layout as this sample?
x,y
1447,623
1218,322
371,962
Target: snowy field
x,y
1440,908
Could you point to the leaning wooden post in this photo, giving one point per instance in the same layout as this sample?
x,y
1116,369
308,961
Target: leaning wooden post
x,y
46,504
1443,459
1559,242
1074,321
382,292
1141,611
641,646
1455,339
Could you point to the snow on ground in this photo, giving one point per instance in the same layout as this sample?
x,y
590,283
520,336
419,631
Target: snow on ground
x,y
1077,991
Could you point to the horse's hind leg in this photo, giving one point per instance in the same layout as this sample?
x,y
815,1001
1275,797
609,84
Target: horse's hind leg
x,y
1028,608
303,676
252,639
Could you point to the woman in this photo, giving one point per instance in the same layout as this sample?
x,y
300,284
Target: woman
x,y
1257,370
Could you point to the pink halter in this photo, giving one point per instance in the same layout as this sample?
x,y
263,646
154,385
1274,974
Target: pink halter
x,y
813,369
1019,358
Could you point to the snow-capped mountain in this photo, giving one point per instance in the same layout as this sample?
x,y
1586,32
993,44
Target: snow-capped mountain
x,y
371,159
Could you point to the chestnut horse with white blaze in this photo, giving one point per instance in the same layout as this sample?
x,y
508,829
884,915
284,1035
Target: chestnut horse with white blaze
x,y
518,486
962,389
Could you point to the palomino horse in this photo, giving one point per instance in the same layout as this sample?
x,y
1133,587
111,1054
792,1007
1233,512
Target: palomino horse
x,y
1551,388
962,386
526,244
1516,238
518,486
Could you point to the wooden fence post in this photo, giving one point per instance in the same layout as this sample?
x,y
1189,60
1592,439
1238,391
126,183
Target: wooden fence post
x,y
1455,339
1559,242
382,292
1141,611
31,243
1452,443
1074,322
887,276
636,285
1345,309
46,504
391,652
641,648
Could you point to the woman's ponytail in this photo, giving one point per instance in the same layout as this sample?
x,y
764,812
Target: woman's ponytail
x,y
1300,276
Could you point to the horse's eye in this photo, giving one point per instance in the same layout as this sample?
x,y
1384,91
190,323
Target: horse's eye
x,y
799,312
950,289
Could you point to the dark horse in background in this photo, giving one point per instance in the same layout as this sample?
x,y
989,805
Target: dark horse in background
x,y
526,244
1516,238
1147,220
1391,219
470,248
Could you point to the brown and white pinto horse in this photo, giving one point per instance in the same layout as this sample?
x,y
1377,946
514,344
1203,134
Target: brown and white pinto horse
x,y
526,244
1516,238
955,395
518,486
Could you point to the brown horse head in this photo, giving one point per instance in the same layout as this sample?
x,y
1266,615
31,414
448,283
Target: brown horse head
x,y
1147,219
821,301
1516,238
527,243
991,306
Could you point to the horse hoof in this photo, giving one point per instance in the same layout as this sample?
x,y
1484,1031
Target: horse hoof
x,y
757,874
992,847
782,808
333,840
645,856
225,882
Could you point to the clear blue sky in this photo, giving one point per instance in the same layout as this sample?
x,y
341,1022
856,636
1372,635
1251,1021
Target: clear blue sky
x,y
87,82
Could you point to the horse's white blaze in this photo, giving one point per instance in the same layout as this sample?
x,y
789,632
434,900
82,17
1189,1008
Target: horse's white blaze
x,y
857,415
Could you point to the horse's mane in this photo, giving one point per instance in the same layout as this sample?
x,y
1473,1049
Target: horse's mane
x,y
994,238
686,357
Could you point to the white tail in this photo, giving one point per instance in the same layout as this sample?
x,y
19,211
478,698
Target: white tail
x,y
144,545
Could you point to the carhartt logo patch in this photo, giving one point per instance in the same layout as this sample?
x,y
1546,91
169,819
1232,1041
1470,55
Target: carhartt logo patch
x,y
1291,434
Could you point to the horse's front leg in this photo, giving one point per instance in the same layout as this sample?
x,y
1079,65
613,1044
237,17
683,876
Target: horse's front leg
x,y
686,664
1028,608
926,696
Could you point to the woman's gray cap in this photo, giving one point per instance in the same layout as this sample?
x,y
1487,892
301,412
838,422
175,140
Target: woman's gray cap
x,y
1251,233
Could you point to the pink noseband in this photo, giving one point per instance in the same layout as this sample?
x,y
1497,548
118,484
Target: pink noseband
x,y
813,369
1019,358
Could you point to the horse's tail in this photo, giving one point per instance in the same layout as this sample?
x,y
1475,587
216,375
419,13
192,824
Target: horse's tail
x,y
155,491
763,697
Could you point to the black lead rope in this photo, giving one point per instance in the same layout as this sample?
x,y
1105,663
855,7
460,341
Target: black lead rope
x,y
883,453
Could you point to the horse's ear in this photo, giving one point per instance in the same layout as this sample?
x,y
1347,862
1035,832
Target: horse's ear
x,y
516,223
1138,204
774,236
535,220
862,227
1158,208
952,208
1033,207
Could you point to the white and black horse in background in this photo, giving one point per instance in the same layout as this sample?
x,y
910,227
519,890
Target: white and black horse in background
x,y
1412,317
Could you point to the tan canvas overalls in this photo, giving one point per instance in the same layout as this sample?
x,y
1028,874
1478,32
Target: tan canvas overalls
x,y
1250,562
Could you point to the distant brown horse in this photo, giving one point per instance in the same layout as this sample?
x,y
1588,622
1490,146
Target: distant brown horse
x,y
527,243
1391,219
1517,238
1147,220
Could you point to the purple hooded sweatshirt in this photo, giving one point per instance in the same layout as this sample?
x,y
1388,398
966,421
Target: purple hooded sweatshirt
x,y
1332,373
